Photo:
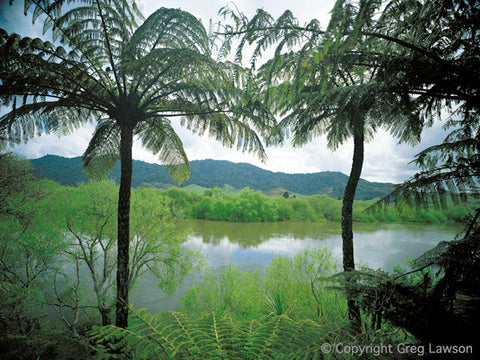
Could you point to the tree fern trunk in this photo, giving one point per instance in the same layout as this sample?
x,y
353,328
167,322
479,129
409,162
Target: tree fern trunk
x,y
105,313
347,212
124,226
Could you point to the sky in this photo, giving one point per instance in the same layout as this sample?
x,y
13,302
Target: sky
x,y
385,159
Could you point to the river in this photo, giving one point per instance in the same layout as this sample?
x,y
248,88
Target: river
x,y
248,245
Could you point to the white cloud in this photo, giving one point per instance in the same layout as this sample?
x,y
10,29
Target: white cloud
x,y
50,144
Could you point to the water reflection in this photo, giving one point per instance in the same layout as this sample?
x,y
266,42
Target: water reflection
x,y
253,234
255,244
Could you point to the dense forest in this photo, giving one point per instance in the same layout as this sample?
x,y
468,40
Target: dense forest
x,y
215,173
250,206
71,256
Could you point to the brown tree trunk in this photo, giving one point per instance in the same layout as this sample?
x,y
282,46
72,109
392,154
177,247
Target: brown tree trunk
x,y
126,142
347,211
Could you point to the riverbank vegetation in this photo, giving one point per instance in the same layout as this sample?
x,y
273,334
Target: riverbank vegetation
x,y
253,206
290,310
57,261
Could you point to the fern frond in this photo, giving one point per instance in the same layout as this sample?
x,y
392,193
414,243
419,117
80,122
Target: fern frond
x,y
225,336
158,136
167,334
174,335
102,153
169,29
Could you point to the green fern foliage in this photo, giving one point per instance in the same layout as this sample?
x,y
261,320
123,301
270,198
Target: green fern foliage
x,y
224,334
275,304
173,335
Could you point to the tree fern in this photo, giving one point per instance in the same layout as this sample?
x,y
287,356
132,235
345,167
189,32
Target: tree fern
x,y
172,335
441,293
134,80
327,86
168,335
225,334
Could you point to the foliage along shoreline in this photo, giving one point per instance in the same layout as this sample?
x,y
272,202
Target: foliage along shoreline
x,y
253,206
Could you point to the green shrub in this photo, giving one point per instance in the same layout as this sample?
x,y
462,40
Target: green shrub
x,y
300,284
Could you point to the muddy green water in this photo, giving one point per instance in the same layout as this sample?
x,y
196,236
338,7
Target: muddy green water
x,y
248,245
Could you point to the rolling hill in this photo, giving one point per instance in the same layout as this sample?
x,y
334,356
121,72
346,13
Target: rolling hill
x,y
213,173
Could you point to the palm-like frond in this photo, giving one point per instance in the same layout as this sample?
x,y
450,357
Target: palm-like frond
x,y
133,79
434,47
158,136
56,93
330,77
432,54
441,47
224,335
173,335
450,169
102,153
168,29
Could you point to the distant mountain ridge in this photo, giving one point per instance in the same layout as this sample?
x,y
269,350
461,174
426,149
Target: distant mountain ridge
x,y
213,173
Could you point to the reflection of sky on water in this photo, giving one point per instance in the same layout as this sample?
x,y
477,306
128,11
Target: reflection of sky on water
x,y
388,247
376,245
255,245
221,253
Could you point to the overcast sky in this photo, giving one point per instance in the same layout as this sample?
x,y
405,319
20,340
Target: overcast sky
x,y
385,159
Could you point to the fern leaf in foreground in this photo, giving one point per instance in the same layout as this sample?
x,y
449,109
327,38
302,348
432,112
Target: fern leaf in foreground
x,y
173,335
226,335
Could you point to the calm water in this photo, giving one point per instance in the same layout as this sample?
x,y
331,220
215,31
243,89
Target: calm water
x,y
255,244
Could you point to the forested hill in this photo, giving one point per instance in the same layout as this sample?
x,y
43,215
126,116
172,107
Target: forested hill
x,y
212,173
